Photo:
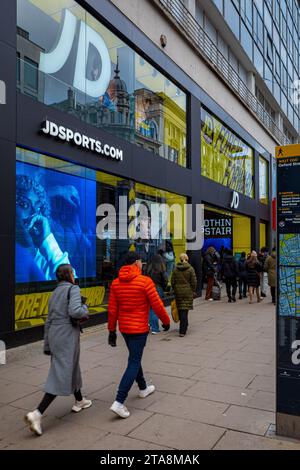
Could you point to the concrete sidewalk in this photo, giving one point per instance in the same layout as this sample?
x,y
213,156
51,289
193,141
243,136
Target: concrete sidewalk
x,y
214,388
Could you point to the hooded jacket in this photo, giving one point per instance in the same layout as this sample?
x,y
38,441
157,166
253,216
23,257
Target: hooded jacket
x,y
130,298
184,284
229,267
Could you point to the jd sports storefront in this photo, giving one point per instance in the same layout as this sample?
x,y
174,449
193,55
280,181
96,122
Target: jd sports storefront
x,y
90,120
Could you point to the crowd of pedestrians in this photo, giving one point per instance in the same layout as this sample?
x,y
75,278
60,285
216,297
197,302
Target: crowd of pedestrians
x,y
136,304
249,273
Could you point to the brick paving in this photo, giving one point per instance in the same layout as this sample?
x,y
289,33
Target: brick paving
x,y
215,388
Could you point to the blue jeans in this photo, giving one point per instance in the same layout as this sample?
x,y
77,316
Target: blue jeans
x,y
153,319
134,371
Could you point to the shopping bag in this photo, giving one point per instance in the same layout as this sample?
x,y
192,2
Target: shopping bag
x,y
174,311
216,290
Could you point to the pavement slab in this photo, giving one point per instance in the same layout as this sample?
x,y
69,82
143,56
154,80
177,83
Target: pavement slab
x,y
215,388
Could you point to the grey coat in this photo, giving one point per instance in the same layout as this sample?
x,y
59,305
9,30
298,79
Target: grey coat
x,y
62,339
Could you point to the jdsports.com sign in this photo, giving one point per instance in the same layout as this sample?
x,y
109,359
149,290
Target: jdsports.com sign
x,y
80,140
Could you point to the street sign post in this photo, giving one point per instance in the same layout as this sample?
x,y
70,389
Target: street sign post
x,y
288,291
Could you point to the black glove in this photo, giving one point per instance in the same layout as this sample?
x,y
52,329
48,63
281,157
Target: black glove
x,y
112,339
166,327
47,352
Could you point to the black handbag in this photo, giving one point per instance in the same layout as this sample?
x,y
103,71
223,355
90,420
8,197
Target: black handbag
x,y
77,322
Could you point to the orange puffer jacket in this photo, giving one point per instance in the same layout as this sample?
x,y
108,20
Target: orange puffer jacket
x,y
130,298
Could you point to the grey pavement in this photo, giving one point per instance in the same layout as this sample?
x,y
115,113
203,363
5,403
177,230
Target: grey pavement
x,y
215,388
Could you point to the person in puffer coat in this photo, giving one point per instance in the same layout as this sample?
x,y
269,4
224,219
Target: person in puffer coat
x,y
184,284
130,298
230,273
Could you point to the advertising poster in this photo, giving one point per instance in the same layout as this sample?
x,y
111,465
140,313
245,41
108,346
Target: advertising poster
x,y
55,223
217,231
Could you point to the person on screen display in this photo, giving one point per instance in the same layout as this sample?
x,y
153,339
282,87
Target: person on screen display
x,y
33,227
65,215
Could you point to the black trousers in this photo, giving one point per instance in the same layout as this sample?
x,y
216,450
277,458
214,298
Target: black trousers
x,y
231,287
184,323
273,294
49,398
243,287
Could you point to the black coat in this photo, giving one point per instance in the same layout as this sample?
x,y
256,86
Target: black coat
x,y
229,267
253,274
242,269
195,260
209,265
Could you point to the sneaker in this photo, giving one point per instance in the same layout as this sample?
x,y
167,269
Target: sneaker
x,y
210,300
34,421
233,299
240,297
181,335
81,405
155,332
144,393
120,409
229,300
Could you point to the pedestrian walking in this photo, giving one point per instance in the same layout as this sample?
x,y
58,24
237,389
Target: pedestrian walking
x,y
262,256
184,284
156,269
62,343
130,298
242,276
169,256
195,260
270,268
253,268
210,269
229,271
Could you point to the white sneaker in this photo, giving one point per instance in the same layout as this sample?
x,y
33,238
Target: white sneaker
x,y
120,409
144,393
34,421
81,405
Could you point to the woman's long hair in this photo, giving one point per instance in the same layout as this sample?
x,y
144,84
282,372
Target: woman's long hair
x,y
156,265
252,261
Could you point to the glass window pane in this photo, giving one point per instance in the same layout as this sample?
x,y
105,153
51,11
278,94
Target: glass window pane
x,y
225,158
61,201
88,71
263,181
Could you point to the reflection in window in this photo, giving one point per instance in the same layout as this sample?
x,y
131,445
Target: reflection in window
x,y
30,74
57,221
263,181
136,102
225,158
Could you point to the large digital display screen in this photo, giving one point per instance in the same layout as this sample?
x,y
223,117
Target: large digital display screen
x,y
55,223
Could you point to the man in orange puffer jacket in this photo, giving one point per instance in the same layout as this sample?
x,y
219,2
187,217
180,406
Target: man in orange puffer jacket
x,y
130,298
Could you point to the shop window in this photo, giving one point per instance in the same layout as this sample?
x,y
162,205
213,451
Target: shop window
x,y
58,221
225,158
96,77
263,181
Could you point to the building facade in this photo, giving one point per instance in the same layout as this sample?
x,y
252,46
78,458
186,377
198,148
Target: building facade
x,y
103,103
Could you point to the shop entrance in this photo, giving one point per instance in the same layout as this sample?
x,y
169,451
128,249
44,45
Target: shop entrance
x,y
225,229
